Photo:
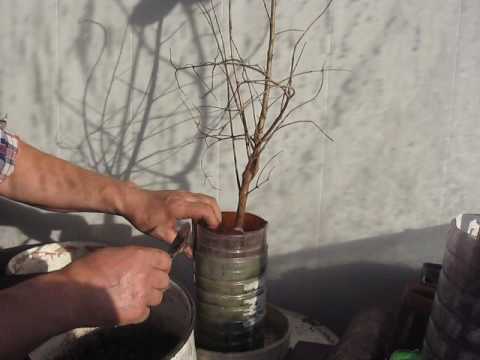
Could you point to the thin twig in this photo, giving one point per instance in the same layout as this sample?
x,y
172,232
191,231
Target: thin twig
x,y
306,122
259,182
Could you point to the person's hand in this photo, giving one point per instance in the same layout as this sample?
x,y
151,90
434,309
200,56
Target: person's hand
x,y
155,212
116,286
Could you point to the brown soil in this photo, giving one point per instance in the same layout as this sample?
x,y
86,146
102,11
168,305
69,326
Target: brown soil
x,y
227,227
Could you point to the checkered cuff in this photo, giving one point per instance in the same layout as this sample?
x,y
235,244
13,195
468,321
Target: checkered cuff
x,y
8,153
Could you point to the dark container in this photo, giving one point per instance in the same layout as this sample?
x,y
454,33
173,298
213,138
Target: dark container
x,y
446,348
457,300
453,330
230,269
461,274
455,327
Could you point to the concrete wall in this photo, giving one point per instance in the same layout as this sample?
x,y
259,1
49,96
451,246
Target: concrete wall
x,y
351,219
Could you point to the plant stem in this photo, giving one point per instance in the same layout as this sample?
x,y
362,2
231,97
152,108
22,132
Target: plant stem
x,y
251,169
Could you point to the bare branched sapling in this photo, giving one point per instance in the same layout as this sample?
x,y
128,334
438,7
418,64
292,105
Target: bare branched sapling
x,y
256,106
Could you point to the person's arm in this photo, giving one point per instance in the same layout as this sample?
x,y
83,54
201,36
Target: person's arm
x,y
109,287
46,181
34,311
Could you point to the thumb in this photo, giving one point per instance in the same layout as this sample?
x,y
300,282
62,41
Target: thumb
x,y
167,234
144,316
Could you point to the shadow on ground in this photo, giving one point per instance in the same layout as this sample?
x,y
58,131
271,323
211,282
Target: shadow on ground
x,y
333,283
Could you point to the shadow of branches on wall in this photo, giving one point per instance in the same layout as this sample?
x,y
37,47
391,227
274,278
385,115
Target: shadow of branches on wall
x,y
137,139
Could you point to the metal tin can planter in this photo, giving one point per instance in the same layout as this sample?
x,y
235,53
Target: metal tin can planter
x,y
230,282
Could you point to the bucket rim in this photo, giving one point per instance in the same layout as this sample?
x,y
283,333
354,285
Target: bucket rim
x,y
185,293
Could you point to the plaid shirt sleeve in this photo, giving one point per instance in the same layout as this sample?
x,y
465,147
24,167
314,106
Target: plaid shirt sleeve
x,y
8,153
